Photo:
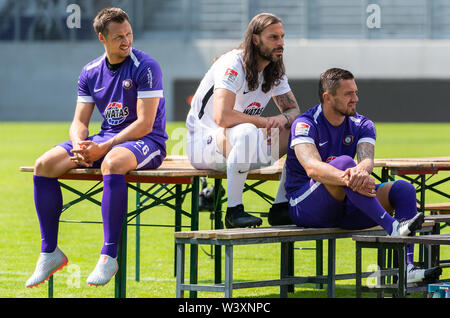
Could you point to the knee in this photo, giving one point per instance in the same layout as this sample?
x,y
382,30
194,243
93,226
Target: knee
x,y
343,162
244,133
42,166
111,165
402,188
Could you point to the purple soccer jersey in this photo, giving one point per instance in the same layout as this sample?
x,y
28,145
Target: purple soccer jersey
x,y
115,93
331,142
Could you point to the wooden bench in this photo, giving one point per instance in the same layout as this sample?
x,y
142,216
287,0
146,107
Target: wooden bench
x,y
286,236
401,288
165,189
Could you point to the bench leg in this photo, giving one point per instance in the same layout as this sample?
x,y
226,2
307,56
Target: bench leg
x,y
218,224
121,276
229,271
50,287
284,267
138,235
194,227
180,250
291,288
331,268
358,269
381,280
402,271
319,260
178,223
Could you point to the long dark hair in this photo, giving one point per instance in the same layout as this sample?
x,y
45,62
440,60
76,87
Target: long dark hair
x,y
272,72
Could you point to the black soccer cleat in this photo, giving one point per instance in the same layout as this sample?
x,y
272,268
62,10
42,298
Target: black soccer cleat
x,y
279,214
236,217
406,228
429,275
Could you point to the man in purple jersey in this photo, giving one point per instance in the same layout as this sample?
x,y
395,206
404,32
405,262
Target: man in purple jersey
x,y
327,188
126,86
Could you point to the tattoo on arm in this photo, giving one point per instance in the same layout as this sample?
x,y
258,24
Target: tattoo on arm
x,y
288,106
306,153
365,150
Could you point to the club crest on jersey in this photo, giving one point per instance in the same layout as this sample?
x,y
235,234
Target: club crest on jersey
x,y
115,113
348,140
254,109
302,129
230,75
127,84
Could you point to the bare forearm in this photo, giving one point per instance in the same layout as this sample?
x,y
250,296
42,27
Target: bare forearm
x,y
231,118
78,131
288,106
365,153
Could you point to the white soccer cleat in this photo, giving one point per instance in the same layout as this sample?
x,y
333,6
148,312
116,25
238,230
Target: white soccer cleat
x,y
105,269
405,228
415,274
47,265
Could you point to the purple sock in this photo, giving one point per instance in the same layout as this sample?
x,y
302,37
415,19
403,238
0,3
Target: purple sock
x,y
369,206
402,197
48,203
114,209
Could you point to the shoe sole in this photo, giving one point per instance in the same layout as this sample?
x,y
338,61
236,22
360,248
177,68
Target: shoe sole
x,y
230,225
101,285
57,269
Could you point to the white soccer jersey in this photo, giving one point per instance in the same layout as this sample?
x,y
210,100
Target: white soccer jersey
x,y
228,72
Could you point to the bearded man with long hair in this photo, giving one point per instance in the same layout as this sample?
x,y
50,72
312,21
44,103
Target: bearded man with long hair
x,y
226,131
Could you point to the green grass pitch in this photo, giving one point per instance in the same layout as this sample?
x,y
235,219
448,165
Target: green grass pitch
x,y
22,143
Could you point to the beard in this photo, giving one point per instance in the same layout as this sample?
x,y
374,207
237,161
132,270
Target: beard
x,y
268,54
346,112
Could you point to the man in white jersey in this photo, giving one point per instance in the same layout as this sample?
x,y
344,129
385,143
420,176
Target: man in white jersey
x,y
225,129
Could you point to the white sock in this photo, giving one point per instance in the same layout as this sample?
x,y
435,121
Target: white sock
x,y
281,193
243,139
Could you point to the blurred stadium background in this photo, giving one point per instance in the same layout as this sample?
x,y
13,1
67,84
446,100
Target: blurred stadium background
x,y
401,61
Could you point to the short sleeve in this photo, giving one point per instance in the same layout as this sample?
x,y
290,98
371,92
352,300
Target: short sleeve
x,y
368,132
302,131
149,80
228,73
84,93
282,88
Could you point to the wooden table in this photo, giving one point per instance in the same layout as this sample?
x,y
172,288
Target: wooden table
x,y
405,167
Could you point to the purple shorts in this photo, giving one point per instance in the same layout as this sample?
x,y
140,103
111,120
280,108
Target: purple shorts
x,y
313,206
149,154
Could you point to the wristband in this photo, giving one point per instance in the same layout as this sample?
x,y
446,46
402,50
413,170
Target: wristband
x,y
287,118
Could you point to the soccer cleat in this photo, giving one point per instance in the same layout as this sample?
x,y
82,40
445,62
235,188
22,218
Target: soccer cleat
x,y
415,274
237,217
46,266
407,227
105,269
279,214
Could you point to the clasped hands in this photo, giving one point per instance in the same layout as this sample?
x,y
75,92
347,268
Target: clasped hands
x,y
86,152
359,180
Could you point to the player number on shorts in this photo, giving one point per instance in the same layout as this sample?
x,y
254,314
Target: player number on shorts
x,y
142,147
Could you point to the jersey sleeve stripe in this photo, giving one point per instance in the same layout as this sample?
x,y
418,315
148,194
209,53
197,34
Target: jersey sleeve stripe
x,y
85,99
150,94
369,140
205,101
301,140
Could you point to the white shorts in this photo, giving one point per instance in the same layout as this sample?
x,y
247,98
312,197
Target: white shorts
x,y
203,153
